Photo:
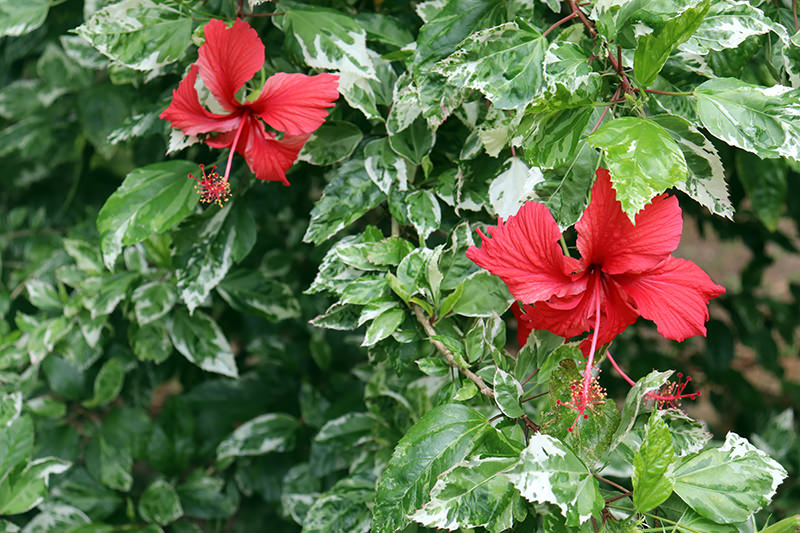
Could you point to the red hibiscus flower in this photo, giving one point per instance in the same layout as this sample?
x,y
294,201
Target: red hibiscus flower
x,y
625,271
295,104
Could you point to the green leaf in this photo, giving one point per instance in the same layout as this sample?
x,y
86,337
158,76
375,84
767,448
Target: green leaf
x,y
16,443
160,504
19,18
152,301
200,340
342,508
388,170
152,199
208,248
652,473
272,432
549,472
473,493
727,25
613,15
424,213
554,136
589,438
706,181
507,392
23,490
565,190
654,48
383,325
787,525
633,403
201,496
442,437
642,158
765,121
414,142
43,295
347,197
570,80
449,26
108,383
764,181
513,187
326,39
151,342
332,142
139,34
10,409
505,63
102,294
730,483
484,295
249,291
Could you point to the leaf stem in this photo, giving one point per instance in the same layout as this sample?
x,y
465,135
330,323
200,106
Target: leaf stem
x,y
794,14
668,93
586,22
534,396
613,484
447,354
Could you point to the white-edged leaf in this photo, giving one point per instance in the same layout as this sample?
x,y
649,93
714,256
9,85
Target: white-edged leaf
x,y
200,340
730,483
513,187
549,472
273,432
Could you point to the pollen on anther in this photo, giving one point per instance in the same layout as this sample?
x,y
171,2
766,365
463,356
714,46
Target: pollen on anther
x,y
212,188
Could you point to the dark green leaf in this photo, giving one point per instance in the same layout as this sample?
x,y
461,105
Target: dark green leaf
x,y
249,291
108,383
473,493
507,392
764,181
332,142
208,248
442,437
159,503
347,197
343,508
152,199
273,432
200,340
484,295
139,34
19,18
24,489
152,301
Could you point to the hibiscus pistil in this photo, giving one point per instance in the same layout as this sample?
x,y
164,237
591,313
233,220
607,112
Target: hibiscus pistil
x,y
213,189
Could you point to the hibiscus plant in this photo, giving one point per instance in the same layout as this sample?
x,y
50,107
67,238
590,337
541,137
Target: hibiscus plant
x,y
440,287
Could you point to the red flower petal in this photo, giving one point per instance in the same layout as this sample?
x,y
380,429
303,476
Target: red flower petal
x,y
296,103
573,315
674,295
524,326
525,254
268,157
606,236
228,58
186,113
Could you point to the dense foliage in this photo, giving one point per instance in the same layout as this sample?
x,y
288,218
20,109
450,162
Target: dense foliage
x,y
323,356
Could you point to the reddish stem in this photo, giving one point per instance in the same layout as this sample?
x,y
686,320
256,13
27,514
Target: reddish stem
x,y
560,22
586,22
794,13
603,114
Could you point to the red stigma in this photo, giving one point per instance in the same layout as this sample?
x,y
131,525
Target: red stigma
x,y
213,188
581,401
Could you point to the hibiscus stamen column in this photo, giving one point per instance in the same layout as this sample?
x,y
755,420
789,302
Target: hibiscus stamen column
x,y
233,148
589,392
670,395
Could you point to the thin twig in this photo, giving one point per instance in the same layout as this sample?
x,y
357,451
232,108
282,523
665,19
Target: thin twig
x,y
448,355
534,396
560,22
615,485
603,114
794,13
586,22
529,377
